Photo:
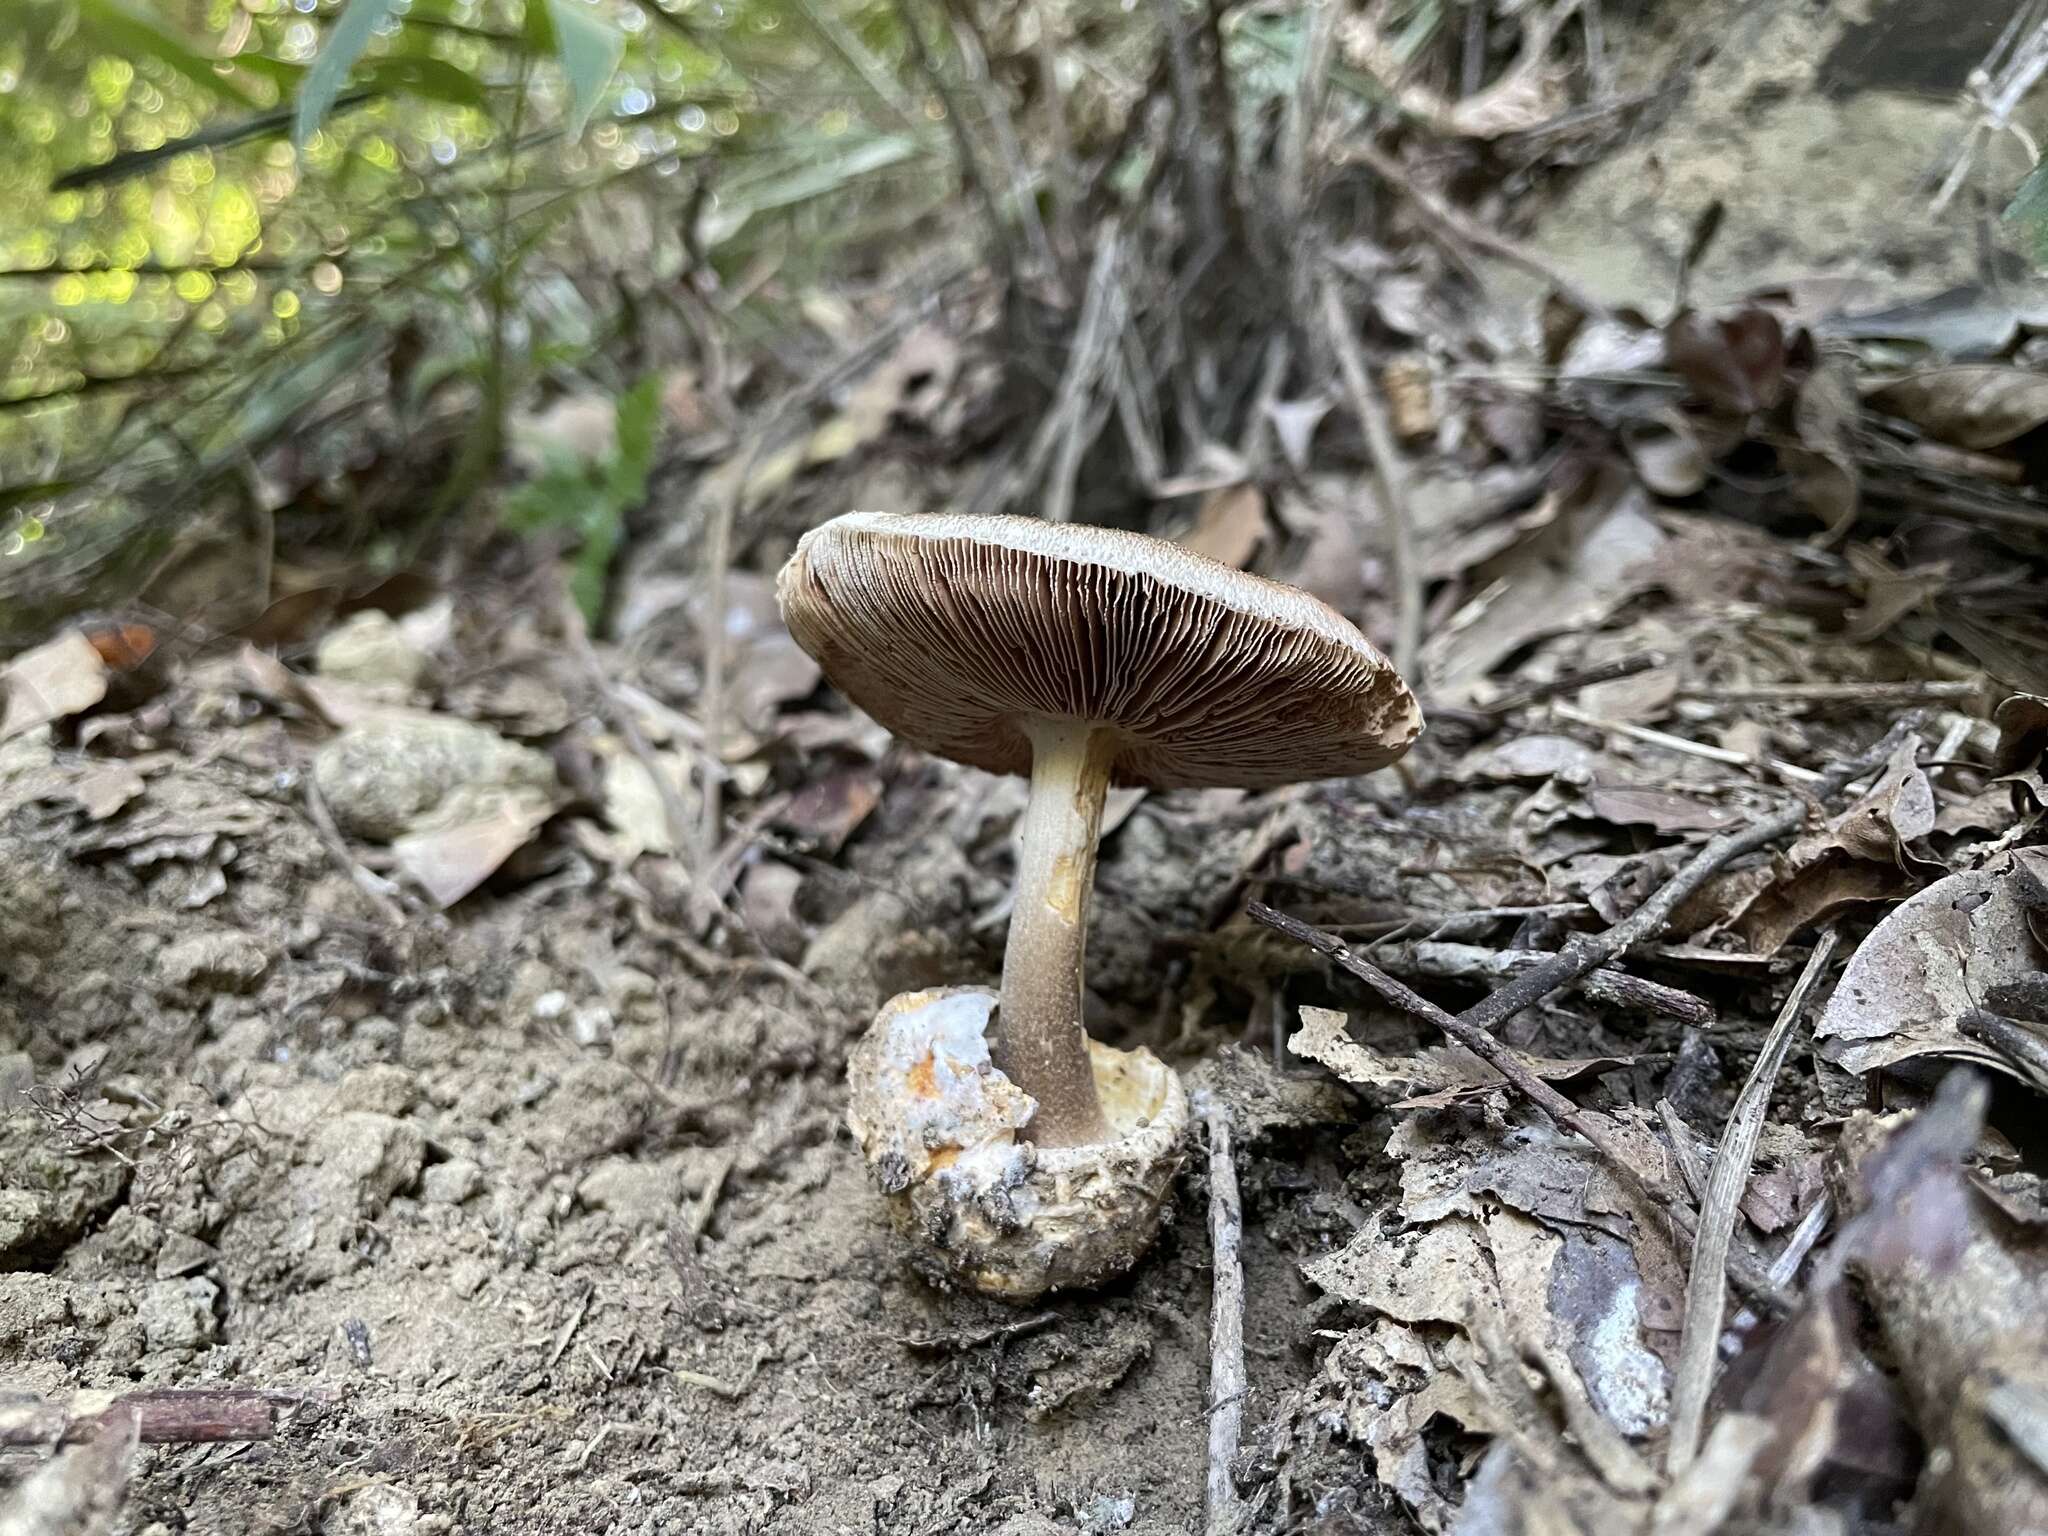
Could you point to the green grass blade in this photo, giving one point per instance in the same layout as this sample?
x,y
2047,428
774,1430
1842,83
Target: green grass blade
x,y
346,40
589,50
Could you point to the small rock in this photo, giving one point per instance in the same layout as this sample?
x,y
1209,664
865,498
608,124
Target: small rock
x,y
17,1076
452,1182
395,775
1106,1513
385,1088
639,1195
356,1162
48,1200
633,993
219,962
550,1006
468,1277
370,650
382,1509
591,1026
178,1314
1032,1525
183,1254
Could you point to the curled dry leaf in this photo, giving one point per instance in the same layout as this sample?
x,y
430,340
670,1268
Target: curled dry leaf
x,y
1230,525
825,813
1862,856
1926,966
1294,425
1443,1073
1971,405
1735,364
2022,722
450,862
1825,474
1668,455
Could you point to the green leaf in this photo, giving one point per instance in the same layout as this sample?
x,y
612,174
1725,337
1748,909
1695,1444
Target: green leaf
x,y
589,50
133,33
639,424
346,40
559,498
432,79
591,574
2028,211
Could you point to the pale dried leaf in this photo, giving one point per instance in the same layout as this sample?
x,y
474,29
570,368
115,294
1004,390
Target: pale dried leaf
x,y
1294,426
1926,965
57,679
1230,525
450,863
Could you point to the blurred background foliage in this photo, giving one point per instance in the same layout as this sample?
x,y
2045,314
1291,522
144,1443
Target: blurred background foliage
x,y
236,225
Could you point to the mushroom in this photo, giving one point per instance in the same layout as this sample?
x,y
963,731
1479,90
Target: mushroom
x,y
1082,657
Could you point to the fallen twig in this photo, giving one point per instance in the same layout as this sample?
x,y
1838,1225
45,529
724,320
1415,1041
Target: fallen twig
x,y
1706,1286
1495,1053
1572,682
1585,952
1876,695
1474,962
973,1338
1226,1321
192,1416
1791,772
1390,477
1474,1028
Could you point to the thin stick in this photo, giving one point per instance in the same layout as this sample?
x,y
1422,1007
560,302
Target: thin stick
x,y
857,57
1390,478
1460,226
192,1417
1706,1288
1685,745
1495,1053
1304,103
974,64
381,893
1226,1321
1190,152
1572,682
1587,951
1474,962
1064,434
1876,694
673,811
970,161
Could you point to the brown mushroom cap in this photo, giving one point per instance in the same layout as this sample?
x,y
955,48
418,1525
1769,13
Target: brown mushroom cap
x,y
951,630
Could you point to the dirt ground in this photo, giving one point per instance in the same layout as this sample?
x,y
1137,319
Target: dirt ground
x,y
555,1220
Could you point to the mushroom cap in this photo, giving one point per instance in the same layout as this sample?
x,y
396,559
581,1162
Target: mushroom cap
x,y
957,631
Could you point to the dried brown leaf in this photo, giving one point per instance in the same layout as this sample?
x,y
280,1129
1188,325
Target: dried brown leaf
x,y
1972,405
1736,364
1924,967
1230,525
1826,476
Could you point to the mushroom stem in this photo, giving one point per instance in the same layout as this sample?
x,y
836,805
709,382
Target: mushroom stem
x,y
1040,1044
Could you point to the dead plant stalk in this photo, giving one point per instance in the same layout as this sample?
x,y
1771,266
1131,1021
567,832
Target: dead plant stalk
x,y
1390,477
